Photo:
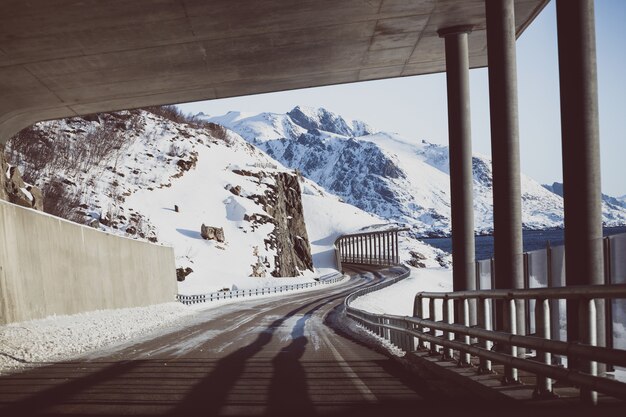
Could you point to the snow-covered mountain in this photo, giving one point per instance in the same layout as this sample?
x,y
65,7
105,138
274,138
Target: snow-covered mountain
x,y
145,175
612,207
386,174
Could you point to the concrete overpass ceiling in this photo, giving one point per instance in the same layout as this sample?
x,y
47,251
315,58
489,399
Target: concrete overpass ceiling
x,y
61,58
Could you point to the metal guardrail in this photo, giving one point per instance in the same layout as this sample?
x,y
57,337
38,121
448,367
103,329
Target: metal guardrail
x,y
223,295
461,341
403,272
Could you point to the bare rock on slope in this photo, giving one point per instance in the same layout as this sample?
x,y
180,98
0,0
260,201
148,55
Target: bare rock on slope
x,y
15,190
212,233
282,201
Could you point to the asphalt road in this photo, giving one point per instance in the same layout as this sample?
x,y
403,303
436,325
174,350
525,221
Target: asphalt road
x,y
276,356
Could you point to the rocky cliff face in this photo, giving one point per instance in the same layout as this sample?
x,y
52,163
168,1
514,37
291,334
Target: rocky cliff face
x,y
282,201
15,190
292,241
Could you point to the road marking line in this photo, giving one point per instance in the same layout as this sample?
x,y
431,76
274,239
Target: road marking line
x,y
358,382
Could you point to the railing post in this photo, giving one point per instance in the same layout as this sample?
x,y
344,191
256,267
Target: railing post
x,y
464,357
542,325
432,331
588,316
396,335
362,249
397,247
418,311
408,339
387,330
510,373
484,323
448,317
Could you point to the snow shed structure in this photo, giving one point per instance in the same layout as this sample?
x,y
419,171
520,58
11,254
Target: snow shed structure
x,y
62,58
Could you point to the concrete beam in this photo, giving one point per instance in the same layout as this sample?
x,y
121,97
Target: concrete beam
x,y
61,58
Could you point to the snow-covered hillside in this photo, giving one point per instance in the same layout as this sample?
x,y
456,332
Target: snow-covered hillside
x,y
162,179
612,207
385,174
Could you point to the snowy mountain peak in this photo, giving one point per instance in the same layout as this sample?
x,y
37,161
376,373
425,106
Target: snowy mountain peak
x,y
394,177
321,119
360,128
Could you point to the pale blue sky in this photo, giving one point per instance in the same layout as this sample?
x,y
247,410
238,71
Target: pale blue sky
x,y
416,106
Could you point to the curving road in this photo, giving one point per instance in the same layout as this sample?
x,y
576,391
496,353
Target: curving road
x,y
278,356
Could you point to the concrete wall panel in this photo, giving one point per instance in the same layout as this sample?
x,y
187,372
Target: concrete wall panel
x,y
52,266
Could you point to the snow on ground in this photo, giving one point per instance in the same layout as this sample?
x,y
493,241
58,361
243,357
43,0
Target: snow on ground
x,y
58,338
398,298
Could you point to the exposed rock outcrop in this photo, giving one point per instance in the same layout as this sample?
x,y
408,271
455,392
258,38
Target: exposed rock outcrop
x,y
181,273
14,189
212,233
282,201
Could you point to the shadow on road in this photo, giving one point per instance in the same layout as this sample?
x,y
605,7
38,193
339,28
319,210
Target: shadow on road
x,y
288,389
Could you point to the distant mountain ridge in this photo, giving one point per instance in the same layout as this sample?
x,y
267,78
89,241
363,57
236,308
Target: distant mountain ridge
x,y
557,188
386,174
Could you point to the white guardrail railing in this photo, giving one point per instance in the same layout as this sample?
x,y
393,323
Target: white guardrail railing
x,y
462,341
223,295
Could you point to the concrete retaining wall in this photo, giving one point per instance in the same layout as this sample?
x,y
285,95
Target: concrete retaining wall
x,y
52,266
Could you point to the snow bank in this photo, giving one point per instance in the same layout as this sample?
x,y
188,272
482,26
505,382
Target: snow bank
x,y
59,338
398,298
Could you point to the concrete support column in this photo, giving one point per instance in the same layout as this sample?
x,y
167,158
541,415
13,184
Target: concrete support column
x,y
461,181
386,247
581,158
362,239
340,243
351,247
383,248
389,247
376,247
397,248
392,247
505,156
370,241
342,249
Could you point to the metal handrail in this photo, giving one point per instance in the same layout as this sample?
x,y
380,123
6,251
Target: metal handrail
x,y
561,293
412,333
223,295
605,385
